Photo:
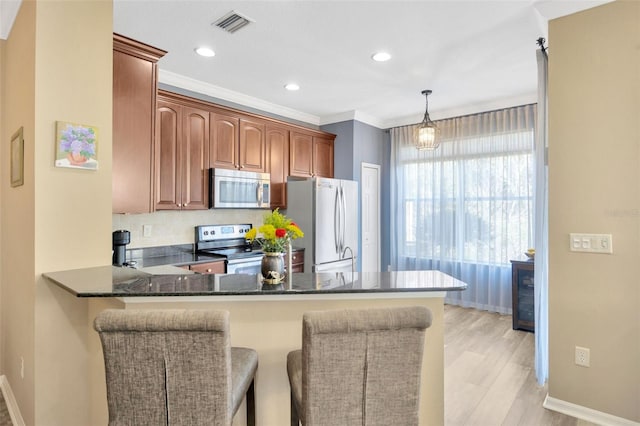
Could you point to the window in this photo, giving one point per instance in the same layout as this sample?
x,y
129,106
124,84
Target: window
x,y
466,208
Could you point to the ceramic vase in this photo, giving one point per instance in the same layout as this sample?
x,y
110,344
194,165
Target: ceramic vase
x,y
272,268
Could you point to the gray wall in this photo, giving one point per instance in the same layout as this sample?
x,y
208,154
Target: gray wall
x,y
357,142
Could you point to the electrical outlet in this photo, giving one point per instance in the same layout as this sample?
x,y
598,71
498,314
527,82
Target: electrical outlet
x,y
146,230
582,356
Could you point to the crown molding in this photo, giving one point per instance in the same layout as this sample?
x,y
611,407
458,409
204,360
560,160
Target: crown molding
x,y
177,80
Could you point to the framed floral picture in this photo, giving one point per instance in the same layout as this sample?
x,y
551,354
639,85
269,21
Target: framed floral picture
x,y
76,146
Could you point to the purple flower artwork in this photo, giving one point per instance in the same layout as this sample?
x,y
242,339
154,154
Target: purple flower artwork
x,y
76,146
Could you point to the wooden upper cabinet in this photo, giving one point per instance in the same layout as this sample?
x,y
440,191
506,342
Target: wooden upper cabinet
x,y
278,164
182,157
195,159
323,156
252,150
310,155
301,155
134,108
223,150
237,143
168,142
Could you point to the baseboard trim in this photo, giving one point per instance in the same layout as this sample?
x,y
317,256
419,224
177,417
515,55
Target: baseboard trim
x,y
10,399
584,413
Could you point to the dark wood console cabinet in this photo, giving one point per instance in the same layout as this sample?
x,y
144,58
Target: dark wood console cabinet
x,y
522,289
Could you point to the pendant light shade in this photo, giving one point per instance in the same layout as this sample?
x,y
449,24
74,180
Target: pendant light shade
x,y
426,135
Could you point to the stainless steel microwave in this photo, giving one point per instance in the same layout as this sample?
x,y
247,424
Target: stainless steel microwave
x,y
237,189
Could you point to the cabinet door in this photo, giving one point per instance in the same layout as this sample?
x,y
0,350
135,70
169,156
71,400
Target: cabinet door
x,y
278,165
301,155
133,115
168,142
224,141
322,157
194,159
252,146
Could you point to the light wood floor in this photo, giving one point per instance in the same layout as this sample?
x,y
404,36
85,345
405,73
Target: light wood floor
x,y
489,376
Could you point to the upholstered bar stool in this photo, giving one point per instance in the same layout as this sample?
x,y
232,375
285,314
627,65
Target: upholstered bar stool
x,y
174,367
358,367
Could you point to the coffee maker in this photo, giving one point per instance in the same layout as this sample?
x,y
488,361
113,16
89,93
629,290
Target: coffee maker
x,y
120,239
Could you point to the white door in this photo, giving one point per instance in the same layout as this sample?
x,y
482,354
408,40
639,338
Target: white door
x,y
370,181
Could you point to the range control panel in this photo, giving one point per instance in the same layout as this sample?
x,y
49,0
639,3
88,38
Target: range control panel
x,y
221,232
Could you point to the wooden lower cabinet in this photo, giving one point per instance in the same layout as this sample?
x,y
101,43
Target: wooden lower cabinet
x,y
217,267
297,260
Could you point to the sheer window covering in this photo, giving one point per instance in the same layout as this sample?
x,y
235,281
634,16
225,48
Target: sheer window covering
x,y
466,209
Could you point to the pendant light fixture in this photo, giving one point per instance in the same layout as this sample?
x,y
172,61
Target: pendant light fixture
x,y
426,134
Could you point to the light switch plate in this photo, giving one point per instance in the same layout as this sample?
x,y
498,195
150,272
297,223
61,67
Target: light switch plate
x,y
591,243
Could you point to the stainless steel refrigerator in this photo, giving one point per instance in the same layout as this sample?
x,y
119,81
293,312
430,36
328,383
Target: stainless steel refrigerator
x,y
327,212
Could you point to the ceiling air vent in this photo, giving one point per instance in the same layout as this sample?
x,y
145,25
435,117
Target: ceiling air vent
x,y
232,22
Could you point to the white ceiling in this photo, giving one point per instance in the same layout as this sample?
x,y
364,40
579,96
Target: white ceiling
x,y
475,55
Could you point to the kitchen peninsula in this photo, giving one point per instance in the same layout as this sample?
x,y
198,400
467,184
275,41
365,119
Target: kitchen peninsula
x,y
268,319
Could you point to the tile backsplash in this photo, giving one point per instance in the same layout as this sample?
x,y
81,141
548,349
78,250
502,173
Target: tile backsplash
x,y
176,227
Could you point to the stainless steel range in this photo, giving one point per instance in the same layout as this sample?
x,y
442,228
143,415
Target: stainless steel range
x,y
229,242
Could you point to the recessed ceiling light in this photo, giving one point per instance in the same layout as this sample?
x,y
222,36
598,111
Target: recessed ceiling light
x,y
381,57
292,87
206,52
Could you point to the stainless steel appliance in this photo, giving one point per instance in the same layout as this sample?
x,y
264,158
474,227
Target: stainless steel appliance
x,y
229,243
239,189
327,212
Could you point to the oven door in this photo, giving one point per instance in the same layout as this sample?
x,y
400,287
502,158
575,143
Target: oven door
x,y
245,265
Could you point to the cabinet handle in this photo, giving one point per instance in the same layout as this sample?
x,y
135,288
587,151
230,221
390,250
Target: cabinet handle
x,y
179,205
209,270
242,166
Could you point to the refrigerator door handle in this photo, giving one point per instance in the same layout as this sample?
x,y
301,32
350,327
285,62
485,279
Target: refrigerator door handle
x,y
336,221
343,220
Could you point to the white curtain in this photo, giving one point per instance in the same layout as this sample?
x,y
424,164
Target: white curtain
x,y
541,221
466,208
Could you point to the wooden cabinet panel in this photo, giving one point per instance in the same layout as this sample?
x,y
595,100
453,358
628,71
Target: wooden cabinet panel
x,y
217,267
310,156
301,155
134,108
297,260
224,141
322,157
195,159
168,141
252,146
278,164
182,157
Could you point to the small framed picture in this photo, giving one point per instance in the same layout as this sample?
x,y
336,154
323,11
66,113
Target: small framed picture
x,y
76,146
17,159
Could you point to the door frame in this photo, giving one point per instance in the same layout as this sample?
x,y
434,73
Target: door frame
x,y
377,167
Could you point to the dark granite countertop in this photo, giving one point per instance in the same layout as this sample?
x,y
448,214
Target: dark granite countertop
x,y
110,281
